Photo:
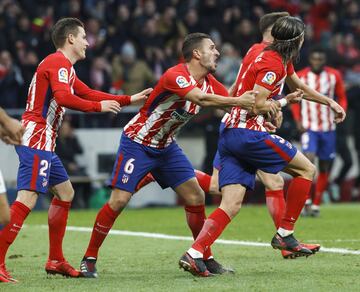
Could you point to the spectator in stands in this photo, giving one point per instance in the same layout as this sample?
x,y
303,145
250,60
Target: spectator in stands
x,y
133,74
228,65
10,81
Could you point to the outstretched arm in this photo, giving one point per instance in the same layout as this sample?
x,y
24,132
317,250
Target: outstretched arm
x,y
202,99
84,91
293,81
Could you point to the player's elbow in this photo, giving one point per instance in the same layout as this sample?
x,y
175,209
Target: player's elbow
x,y
61,97
202,99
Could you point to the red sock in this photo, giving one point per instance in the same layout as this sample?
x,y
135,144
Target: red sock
x,y
204,180
275,202
18,212
296,196
57,219
103,223
195,217
321,185
145,181
211,230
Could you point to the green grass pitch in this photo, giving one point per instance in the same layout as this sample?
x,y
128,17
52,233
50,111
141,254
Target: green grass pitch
x,y
132,263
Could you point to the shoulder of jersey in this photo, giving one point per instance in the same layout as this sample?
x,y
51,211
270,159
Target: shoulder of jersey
x,y
332,70
54,58
304,70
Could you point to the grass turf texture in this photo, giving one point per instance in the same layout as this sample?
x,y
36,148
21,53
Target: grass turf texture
x,y
146,264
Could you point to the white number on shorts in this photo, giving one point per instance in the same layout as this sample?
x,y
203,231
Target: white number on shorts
x,y
129,167
44,167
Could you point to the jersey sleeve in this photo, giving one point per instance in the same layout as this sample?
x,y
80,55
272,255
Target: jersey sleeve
x,y
268,74
58,72
177,82
290,69
340,91
82,90
219,88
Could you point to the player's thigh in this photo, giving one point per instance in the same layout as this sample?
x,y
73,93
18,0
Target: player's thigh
x,y
235,171
175,168
58,174
4,209
271,181
301,166
232,198
34,169
191,192
132,163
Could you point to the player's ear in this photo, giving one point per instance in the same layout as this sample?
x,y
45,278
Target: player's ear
x,y
196,54
71,38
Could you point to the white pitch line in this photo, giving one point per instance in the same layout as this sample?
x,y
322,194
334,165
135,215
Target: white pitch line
x,y
188,238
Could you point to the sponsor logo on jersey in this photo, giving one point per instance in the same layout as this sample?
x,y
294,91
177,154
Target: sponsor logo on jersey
x,y
63,75
269,78
181,115
182,82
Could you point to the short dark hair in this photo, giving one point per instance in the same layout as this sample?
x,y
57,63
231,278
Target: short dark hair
x,y
191,42
63,28
287,33
317,49
267,20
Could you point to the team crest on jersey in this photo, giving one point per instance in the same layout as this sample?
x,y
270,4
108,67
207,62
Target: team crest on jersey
x,y
63,75
182,82
269,78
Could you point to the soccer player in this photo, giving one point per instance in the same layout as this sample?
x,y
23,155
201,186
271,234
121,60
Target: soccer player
x,y
316,121
148,143
11,132
274,183
245,146
54,87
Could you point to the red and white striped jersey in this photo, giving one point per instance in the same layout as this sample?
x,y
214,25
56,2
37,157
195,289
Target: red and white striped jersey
x,y
51,90
265,69
315,116
166,110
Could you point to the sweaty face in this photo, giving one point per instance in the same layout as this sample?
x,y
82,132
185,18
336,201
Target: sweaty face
x,y
209,55
317,61
80,44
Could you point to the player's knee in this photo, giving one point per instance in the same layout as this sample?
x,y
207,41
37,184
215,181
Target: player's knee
x,y
310,171
28,198
233,209
119,200
275,183
70,193
197,197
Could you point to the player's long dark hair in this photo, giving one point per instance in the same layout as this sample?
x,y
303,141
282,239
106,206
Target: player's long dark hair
x,y
288,33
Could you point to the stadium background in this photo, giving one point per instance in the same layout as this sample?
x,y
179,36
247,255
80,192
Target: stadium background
x,y
132,43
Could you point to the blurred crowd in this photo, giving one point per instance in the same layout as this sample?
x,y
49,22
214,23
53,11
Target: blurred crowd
x,y
133,42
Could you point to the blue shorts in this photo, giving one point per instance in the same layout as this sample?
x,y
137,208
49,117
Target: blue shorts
x,y
39,169
322,144
216,161
169,166
244,151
